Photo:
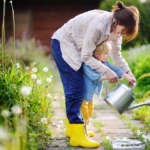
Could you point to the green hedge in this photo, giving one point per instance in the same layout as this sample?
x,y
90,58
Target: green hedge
x,y
144,28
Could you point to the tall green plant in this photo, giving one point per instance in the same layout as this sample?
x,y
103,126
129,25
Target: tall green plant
x,y
3,36
13,18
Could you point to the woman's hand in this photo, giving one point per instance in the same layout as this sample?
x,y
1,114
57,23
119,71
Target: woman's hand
x,y
111,76
132,78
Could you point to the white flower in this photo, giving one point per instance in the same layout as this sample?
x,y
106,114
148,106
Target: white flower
x,y
34,69
18,65
27,68
138,132
45,69
33,76
49,95
3,134
16,109
38,81
26,90
107,138
49,80
44,120
144,137
5,113
55,97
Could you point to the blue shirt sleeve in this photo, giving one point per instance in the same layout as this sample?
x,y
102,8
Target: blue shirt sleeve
x,y
90,73
117,70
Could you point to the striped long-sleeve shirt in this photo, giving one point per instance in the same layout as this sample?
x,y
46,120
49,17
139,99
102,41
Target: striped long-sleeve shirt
x,y
80,35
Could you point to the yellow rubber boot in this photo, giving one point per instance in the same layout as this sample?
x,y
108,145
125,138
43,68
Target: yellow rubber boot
x,y
90,111
84,110
85,113
67,128
78,137
90,108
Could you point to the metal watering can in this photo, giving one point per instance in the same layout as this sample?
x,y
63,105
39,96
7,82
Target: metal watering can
x,y
121,97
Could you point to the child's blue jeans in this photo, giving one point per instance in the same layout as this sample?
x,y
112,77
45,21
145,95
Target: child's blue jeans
x,y
72,82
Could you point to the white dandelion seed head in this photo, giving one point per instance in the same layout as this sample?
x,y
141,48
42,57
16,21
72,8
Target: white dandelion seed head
x,y
49,95
43,120
34,69
33,76
16,109
18,65
107,138
5,113
38,81
27,68
26,90
49,80
138,132
45,69
55,97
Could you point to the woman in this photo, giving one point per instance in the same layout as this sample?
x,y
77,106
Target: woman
x,y
74,43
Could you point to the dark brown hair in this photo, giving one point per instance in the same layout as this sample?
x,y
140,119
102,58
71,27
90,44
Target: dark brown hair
x,y
128,17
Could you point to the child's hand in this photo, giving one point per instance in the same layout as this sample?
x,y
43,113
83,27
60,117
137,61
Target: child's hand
x,y
110,75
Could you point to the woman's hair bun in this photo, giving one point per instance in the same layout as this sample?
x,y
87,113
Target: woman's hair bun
x,y
120,5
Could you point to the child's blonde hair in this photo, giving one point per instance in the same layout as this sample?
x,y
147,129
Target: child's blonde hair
x,y
103,48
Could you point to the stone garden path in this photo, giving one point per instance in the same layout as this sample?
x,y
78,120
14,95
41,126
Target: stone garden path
x,y
113,126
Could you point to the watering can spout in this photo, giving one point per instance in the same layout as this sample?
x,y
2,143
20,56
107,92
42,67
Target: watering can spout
x,y
138,105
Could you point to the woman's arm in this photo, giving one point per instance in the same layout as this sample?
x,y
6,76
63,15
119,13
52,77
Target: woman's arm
x,y
119,60
116,54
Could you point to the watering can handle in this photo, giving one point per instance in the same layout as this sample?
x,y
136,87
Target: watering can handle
x,y
107,88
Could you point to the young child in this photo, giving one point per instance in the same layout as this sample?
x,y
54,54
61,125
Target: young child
x,y
93,81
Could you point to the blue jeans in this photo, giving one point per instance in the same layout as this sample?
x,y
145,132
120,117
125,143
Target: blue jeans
x,y
72,83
